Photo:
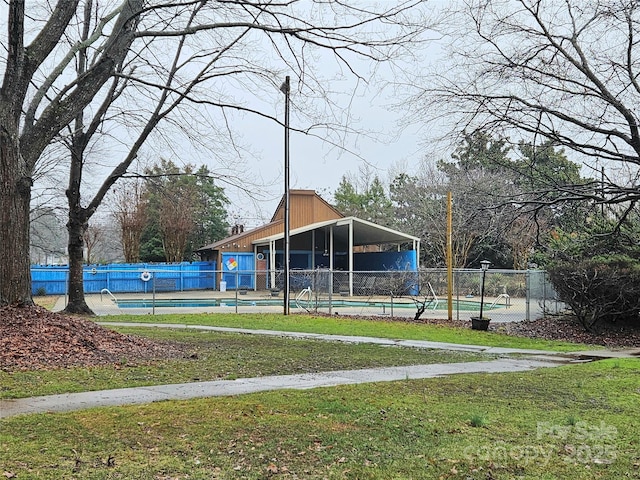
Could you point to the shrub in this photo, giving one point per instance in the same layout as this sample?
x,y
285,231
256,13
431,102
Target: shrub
x,y
597,274
601,289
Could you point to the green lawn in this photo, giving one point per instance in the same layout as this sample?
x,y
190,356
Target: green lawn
x,y
213,356
572,422
349,326
575,422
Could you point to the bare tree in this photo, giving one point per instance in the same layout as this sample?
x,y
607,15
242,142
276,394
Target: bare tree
x,y
176,223
184,206
178,53
521,234
131,217
564,73
93,235
421,204
28,127
47,236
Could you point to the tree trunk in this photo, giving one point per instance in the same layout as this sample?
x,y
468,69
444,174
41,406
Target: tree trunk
x,y
76,226
18,156
15,198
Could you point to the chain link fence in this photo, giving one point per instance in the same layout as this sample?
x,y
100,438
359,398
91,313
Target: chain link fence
x,y
508,295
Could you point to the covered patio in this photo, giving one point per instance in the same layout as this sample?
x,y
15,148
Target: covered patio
x,y
343,246
320,239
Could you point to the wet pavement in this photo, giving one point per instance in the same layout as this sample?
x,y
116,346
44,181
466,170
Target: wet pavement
x,y
523,360
185,391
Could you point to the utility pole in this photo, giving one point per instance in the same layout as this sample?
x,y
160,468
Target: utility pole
x,y
286,89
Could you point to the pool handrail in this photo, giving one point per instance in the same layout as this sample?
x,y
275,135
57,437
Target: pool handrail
x,y
306,291
507,301
435,297
106,290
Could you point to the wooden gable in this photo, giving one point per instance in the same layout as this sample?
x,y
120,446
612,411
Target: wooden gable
x,y
306,207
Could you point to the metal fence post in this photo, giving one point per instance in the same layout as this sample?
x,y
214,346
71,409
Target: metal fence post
x,y
153,296
391,305
544,294
527,289
330,290
457,284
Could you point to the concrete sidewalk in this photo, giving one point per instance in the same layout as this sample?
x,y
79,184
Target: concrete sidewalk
x,y
528,360
185,391
426,344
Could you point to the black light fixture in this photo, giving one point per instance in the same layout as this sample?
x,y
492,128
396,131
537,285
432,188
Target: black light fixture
x,y
484,265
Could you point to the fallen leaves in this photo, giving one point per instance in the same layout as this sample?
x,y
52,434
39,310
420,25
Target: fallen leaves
x,y
568,329
34,338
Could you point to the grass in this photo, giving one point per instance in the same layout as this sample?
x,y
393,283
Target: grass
x,y
349,326
214,356
478,420
574,422
577,422
46,301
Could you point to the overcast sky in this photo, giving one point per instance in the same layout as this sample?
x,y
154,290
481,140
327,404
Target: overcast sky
x,y
378,141
318,165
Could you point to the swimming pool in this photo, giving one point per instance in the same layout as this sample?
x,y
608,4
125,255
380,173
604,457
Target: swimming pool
x,y
465,305
232,302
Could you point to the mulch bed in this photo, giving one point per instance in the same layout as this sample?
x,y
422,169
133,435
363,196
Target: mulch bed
x,y
566,328
34,338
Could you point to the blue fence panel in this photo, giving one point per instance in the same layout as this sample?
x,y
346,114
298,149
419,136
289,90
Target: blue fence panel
x,y
207,275
406,260
198,276
95,278
383,261
238,270
49,280
124,277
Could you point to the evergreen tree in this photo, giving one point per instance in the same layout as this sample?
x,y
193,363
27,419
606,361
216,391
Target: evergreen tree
x,y
186,211
369,202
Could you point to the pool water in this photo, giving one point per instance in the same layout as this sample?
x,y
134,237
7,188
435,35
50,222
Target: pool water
x,y
465,305
232,302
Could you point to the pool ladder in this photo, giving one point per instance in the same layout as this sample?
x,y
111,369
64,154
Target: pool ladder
x,y
305,292
507,300
106,290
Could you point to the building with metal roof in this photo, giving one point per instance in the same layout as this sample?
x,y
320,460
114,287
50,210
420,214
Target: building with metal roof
x,y
321,237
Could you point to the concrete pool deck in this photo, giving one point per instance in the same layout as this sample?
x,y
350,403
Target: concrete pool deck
x,y
104,304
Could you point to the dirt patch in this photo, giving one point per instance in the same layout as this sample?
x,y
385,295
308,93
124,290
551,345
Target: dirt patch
x,y
34,338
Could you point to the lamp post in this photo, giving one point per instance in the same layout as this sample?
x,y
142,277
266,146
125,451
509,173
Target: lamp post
x,y
484,265
286,89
